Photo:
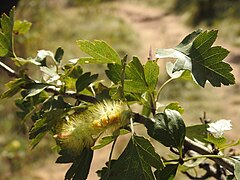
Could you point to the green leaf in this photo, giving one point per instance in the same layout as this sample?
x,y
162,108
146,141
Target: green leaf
x,y
135,81
114,73
237,169
70,75
85,80
183,74
108,139
59,54
168,128
218,142
52,112
80,167
100,52
21,27
151,71
14,86
205,62
175,106
34,89
198,132
6,34
135,162
168,173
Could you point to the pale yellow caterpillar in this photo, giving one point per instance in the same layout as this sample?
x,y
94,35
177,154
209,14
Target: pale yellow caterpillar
x,y
82,130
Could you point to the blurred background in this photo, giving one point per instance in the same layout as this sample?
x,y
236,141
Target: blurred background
x,y
132,27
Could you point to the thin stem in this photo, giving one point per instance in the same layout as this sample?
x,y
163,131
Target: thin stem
x,y
204,156
161,88
8,70
110,158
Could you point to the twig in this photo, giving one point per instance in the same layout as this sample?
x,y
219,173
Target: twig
x,y
74,95
192,145
8,70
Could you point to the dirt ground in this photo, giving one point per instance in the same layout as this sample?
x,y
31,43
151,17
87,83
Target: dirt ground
x,y
155,29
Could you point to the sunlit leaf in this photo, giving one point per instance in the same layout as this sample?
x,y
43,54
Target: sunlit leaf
x,y
151,72
100,52
135,81
237,169
175,106
195,54
21,27
7,23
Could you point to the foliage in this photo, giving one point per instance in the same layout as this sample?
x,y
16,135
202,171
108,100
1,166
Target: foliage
x,y
100,113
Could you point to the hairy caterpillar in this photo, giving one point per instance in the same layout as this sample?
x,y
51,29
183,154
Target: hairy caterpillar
x,y
82,130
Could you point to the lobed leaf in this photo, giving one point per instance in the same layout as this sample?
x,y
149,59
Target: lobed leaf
x,y
80,167
6,41
168,173
100,52
151,72
196,54
135,162
21,27
135,81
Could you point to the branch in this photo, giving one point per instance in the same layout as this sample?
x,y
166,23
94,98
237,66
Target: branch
x,y
8,70
12,73
192,145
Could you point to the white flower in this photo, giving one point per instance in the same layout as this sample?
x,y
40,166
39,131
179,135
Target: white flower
x,y
217,128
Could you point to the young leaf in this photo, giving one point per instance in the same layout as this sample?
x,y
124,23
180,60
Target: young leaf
x,y
100,52
151,71
168,128
195,54
85,80
168,173
21,27
135,81
135,162
6,34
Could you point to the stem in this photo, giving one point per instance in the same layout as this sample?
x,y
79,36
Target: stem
x,y
204,156
110,157
161,88
51,89
8,70
192,145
